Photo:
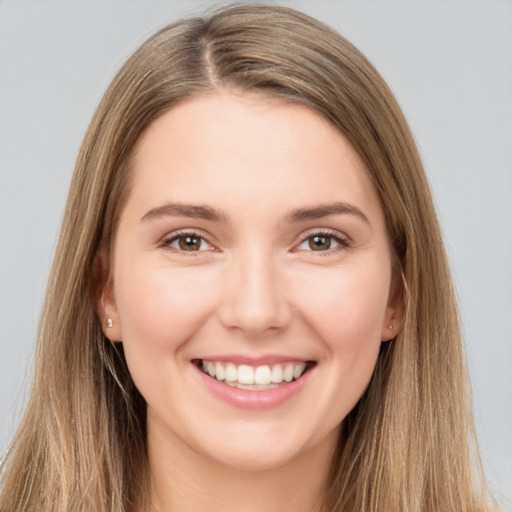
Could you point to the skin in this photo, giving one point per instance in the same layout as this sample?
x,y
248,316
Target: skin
x,y
255,287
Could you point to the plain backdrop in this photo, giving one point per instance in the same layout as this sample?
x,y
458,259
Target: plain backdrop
x,y
450,65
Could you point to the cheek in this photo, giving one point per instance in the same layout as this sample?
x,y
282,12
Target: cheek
x,y
348,306
345,309
160,307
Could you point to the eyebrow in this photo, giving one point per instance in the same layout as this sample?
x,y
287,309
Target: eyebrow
x,y
186,210
208,213
325,210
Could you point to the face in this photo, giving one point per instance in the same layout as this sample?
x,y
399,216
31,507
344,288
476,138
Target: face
x,y
251,280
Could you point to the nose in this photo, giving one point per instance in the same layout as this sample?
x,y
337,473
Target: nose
x,y
254,300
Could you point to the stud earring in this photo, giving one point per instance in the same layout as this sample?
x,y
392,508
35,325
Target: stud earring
x,y
110,322
390,326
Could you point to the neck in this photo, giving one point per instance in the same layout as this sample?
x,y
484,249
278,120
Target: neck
x,y
184,480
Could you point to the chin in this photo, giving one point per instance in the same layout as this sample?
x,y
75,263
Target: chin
x,y
256,458
264,447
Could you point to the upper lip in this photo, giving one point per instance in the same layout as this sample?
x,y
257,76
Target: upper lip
x,y
268,359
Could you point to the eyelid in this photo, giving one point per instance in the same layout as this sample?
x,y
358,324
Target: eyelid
x,y
341,239
171,237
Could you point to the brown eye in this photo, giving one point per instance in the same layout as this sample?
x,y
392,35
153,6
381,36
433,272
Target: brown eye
x,y
319,242
189,243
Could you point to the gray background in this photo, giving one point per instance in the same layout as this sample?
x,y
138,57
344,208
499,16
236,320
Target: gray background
x,y
450,65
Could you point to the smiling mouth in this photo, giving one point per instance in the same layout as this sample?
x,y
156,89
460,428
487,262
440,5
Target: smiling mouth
x,y
254,378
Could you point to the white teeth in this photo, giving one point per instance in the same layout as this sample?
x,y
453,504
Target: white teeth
x,y
254,378
245,374
299,370
252,387
277,374
288,372
262,375
231,373
220,374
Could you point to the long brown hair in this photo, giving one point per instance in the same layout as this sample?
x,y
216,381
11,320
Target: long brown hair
x,y
407,444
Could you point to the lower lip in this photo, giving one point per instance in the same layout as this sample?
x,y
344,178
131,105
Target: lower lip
x,y
254,400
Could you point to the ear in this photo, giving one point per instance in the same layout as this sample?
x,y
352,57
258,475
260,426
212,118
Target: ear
x,y
395,309
104,292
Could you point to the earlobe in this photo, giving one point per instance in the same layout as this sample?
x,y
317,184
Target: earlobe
x,y
107,312
111,328
395,311
105,302
391,329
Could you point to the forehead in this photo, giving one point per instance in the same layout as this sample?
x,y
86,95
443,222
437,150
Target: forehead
x,y
231,149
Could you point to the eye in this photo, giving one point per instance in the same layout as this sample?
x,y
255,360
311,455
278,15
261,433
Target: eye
x,y
188,242
323,242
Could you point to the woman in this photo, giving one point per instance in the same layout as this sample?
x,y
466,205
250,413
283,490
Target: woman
x,y
250,304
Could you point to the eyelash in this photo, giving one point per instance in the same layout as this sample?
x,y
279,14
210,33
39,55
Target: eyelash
x,y
183,234
343,242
